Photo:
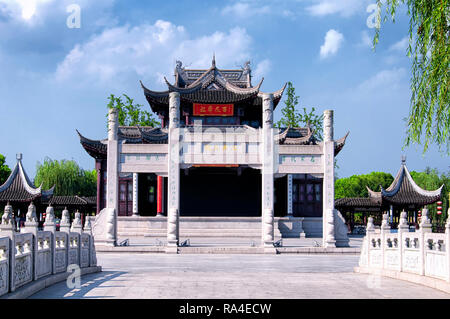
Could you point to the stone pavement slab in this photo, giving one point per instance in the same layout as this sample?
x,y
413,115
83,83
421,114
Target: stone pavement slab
x,y
127,275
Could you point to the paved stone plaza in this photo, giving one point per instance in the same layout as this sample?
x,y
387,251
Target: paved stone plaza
x,y
127,275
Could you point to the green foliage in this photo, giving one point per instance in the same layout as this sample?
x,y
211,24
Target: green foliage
x,y
355,186
293,118
430,179
5,171
67,177
429,29
131,114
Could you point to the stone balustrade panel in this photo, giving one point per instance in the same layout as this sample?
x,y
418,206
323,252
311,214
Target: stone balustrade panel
x,y
391,253
4,265
22,260
436,262
74,249
61,252
411,253
375,251
43,255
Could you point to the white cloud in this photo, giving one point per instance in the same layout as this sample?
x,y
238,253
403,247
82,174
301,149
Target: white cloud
x,y
345,8
385,78
333,41
400,46
262,70
366,40
244,9
147,52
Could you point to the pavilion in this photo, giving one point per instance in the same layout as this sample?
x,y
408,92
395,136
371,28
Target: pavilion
x,y
19,191
402,195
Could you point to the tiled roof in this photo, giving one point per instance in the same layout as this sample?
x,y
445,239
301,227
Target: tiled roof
x,y
209,86
404,191
72,200
18,187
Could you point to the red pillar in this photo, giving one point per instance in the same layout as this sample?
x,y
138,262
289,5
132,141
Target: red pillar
x,y
159,195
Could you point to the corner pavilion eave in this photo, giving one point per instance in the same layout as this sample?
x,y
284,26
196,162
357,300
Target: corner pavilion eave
x,y
19,188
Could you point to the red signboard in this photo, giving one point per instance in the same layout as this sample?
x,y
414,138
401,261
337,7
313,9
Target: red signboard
x,y
213,109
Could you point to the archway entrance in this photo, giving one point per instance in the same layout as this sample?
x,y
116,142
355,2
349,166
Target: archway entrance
x,y
220,191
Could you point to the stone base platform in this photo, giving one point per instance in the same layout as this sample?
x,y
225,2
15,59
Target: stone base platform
x,y
231,227
415,278
35,286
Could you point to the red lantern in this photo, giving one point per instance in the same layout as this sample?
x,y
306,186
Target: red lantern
x,y
439,203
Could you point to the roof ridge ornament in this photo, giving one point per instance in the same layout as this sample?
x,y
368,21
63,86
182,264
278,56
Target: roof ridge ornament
x,y
213,63
19,156
403,159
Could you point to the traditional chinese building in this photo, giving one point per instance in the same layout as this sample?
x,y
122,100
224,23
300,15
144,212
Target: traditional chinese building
x,y
216,155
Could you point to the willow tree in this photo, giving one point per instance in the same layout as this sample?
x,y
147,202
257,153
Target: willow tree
x,y
429,47
67,177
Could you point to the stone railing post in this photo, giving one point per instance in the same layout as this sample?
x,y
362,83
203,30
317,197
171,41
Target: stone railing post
x,y
64,225
403,228
370,230
7,229
385,229
50,225
92,254
31,226
425,227
77,227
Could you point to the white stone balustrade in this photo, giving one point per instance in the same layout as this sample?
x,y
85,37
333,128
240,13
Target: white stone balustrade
x,y
406,255
32,254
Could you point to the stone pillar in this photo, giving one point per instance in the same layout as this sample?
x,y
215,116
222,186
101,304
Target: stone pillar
x,y
267,172
447,240
112,182
135,194
289,195
328,181
173,198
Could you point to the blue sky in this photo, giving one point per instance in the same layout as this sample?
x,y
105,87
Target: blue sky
x,y
55,79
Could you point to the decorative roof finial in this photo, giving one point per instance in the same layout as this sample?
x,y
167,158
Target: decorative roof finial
x,y
19,156
403,159
214,60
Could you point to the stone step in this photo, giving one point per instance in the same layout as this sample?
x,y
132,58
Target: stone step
x,y
248,233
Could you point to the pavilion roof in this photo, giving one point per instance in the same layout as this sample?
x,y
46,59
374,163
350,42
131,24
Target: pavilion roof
x,y
19,188
305,136
210,86
73,200
404,191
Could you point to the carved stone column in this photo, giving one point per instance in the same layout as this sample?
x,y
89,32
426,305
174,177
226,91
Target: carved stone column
x,y
328,181
135,194
112,182
64,225
267,172
173,197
